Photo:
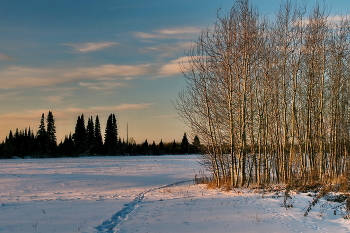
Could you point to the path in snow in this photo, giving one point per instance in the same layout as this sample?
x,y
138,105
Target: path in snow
x,y
108,225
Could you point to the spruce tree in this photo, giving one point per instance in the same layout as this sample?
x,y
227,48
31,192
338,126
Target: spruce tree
x,y
10,136
66,148
98,137
111,134
161,146
42,136
79,135
115,129
174,149
51,133
196,144
90,133
184,144
154,148
144,147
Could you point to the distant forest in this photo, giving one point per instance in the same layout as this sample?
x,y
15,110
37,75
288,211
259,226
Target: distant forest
x,y
86,140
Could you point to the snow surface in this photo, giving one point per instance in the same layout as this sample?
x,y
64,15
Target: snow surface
x,y
144,194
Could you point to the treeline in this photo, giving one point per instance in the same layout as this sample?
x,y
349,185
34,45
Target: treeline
x,y
86,140
271,100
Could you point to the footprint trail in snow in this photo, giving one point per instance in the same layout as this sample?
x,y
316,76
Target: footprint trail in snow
x,y
108,226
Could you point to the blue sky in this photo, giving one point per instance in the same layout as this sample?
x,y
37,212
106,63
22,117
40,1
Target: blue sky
x,y
91,57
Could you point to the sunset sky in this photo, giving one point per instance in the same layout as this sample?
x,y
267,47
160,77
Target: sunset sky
x,y
92,57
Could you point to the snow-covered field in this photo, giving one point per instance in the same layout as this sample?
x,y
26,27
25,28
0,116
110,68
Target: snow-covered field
x,y
143,194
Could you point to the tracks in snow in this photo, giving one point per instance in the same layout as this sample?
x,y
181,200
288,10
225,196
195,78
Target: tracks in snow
x,y
109,225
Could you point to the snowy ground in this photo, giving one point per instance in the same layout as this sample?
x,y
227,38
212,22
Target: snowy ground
x,y
143,194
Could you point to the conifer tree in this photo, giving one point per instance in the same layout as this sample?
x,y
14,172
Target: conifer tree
x,y
98,137
154,148
67,146
51,133
161,147
90,133
184,144
79,135
111,134
42,136
196,144
174,147
10,136
144,147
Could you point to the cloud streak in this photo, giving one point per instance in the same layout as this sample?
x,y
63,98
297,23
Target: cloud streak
x,y
5,57
57,98
11,95
169,50
123,107
172,33
25,77
17,77
173,67
102,85
89,47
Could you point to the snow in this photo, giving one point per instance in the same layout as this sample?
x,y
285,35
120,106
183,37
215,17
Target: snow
x,y
144,194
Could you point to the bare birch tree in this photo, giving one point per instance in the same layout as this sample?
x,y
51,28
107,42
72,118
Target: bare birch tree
x,y
270,101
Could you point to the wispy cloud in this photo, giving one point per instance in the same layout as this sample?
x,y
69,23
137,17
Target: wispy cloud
x,y
20,77
110,70
11,95
57,98
178,33
124,107
17,77
169,50
166,116
173,67
88,47
102,85
24,77
6,57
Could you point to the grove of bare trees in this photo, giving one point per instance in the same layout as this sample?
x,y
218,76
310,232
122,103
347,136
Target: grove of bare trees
x,y
269,99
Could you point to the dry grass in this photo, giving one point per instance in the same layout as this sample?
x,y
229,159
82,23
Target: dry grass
x,y
341,184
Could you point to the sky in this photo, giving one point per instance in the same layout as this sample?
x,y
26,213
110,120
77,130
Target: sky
x,y
101,57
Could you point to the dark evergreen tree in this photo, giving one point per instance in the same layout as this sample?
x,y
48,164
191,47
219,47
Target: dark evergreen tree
x,y
144,148
42,136
66,148
196,145
161,148
174,149
154,149
8,148
10,136
111,135
115,129
98,149
51,133
79,136
90,134
184,145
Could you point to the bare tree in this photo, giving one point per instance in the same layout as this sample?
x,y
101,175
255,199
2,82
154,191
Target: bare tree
x,y
270,101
